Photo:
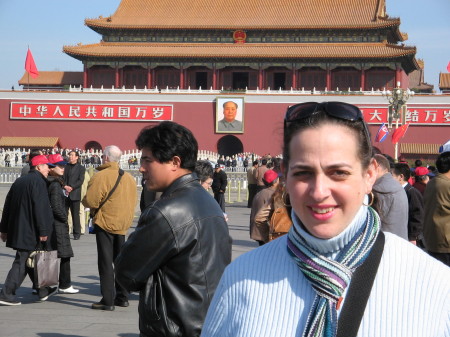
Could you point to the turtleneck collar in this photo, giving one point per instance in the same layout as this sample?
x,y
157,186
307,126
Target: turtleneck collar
x,y
330,247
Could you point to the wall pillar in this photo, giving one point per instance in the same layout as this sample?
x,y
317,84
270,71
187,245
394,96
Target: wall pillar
x,y
328,78
153,82
294,78
363,80
85,76
398,76
182,72
260,78
116,82
149,78
214,78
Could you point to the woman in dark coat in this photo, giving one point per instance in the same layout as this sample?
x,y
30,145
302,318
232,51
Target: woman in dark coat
x,y
58,200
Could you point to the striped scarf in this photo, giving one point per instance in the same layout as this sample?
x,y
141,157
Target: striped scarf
x,y
329,278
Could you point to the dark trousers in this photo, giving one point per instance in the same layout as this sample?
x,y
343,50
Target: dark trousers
x,y
220,198
108,247
251,194
16,276
64,273
74,206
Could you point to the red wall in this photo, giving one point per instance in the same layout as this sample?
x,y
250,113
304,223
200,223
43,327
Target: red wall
x,y
263,121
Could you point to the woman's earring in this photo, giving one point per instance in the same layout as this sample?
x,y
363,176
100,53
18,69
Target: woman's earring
x,y
371,199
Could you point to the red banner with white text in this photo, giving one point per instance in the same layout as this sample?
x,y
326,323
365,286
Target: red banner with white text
x,y
415,115
92,111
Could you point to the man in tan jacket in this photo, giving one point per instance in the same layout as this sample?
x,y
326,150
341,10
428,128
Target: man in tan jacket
x,y
112,220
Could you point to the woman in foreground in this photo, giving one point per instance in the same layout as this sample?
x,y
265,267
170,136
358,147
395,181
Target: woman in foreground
x,y
299,284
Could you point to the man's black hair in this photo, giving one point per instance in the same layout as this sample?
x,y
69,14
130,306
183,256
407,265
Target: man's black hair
x,y
33,153
402,168
418,163
443,162
167,140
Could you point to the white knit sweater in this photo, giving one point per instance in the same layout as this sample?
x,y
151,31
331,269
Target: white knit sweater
x,y
264,294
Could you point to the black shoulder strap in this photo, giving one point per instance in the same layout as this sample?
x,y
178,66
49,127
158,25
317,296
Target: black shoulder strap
x,y
359,291
121,172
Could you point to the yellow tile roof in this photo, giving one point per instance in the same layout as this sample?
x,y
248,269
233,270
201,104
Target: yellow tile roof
x,y
247,50
444,80
419,148
248,14
53,78
38,142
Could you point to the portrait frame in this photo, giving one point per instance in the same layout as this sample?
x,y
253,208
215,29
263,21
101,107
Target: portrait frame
x,y
221,124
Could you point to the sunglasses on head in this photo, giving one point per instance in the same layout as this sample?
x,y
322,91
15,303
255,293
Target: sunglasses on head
x,y
338,110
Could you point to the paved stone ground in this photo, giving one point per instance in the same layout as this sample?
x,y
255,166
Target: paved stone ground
x,y
70,315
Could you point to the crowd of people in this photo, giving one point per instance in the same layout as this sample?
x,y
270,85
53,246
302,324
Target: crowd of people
x,y
347,236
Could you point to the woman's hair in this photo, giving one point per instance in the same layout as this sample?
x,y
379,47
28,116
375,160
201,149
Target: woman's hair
x,y
204,170
320,118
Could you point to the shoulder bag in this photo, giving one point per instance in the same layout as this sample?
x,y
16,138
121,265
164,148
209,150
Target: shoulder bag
x,y
92,212
359,291
280,223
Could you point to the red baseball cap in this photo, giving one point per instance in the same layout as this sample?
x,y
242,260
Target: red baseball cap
x,y
39,160
56,159
421,171
270,176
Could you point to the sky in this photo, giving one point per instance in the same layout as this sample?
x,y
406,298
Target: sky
x,y
45,26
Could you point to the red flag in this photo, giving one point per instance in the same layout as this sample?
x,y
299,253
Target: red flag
x,y
382,133
30,66
399,133
448,67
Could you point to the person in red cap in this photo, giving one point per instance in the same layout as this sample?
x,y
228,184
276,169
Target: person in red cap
x,y
27,219
58,201
262,198
422,179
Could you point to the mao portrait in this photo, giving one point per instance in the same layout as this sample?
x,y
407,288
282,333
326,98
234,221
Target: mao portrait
x,y
230,115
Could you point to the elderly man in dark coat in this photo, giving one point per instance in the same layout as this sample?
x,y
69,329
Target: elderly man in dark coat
x,y
27,219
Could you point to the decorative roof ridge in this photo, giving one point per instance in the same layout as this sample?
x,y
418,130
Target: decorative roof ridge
x,y
375,25
236,45
401,46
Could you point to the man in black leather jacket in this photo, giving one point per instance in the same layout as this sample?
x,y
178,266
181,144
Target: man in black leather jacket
x,y
181,246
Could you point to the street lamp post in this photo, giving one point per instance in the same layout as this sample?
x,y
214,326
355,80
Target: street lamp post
x,y
397,108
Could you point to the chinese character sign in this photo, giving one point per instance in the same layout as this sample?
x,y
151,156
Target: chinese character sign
x,y
91,112
432,115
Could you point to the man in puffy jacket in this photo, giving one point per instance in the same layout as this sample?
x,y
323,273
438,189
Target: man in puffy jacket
x,y
181,245
27,219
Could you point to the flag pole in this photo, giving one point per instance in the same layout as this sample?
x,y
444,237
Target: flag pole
x,y
28,73
396,144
